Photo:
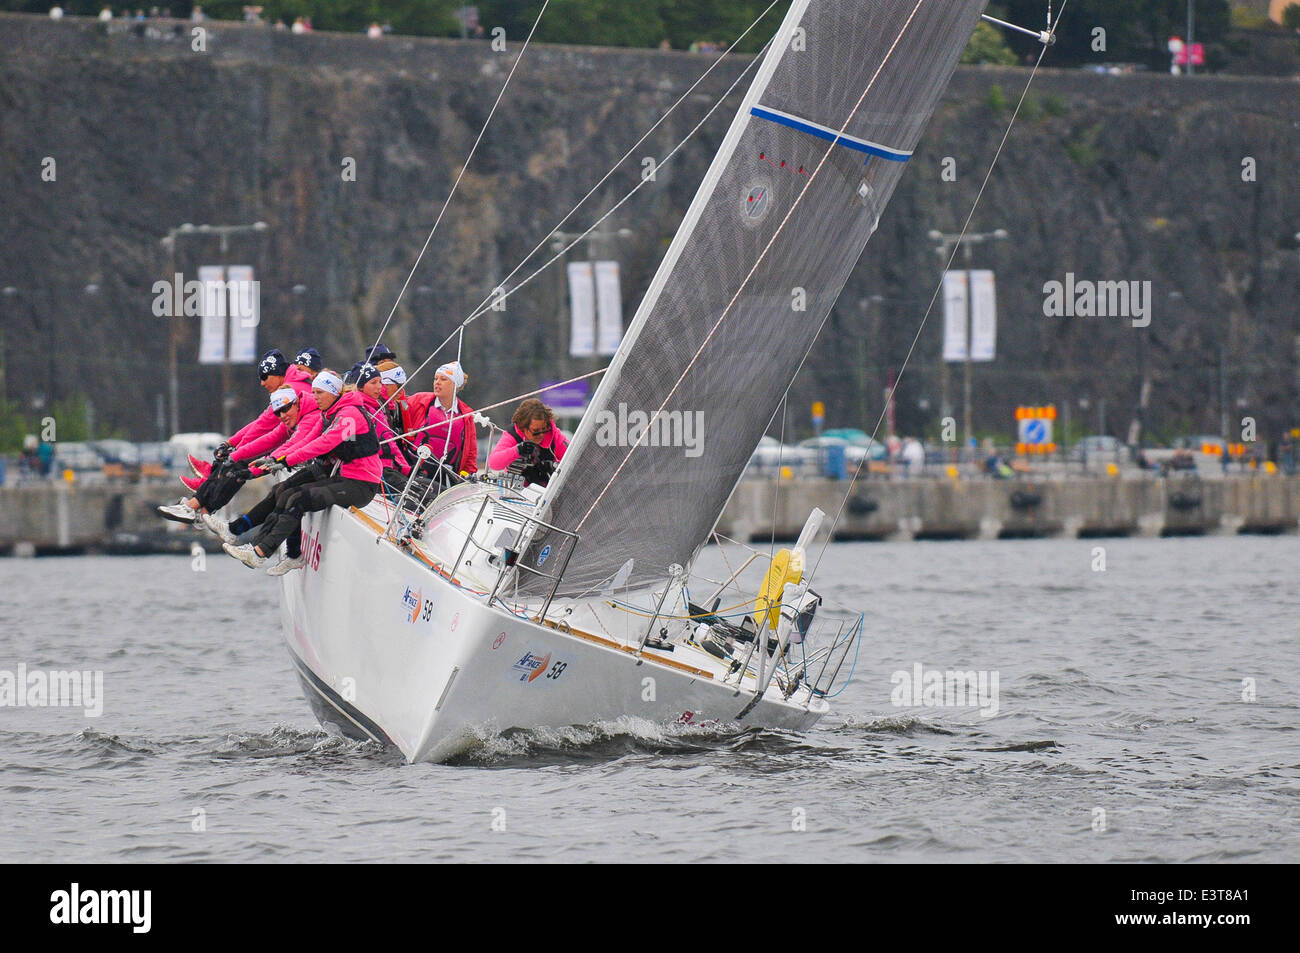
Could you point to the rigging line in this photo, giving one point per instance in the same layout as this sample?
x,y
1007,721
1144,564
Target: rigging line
x,y
726,562
486,306
939,288
776,493
504,86
853,610
777,234
614,168
503,403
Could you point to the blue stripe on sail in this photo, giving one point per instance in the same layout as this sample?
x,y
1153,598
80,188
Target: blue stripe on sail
x,y
823,132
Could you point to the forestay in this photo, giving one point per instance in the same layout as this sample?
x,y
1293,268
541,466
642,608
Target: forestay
x,y
783,214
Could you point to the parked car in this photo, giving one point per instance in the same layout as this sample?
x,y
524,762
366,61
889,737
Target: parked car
x,y
1207,444
817,450
76,456
199,444
122,452
771,453
1100,449
860,438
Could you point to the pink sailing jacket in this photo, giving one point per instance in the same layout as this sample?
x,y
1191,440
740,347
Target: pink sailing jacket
x,y
346,423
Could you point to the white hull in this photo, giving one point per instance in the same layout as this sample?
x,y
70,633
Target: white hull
x,y
387,648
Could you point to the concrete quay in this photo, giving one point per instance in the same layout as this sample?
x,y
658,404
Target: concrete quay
x,y
1010,509
57,517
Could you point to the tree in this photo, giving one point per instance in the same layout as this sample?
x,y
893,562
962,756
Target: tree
x,y
988,48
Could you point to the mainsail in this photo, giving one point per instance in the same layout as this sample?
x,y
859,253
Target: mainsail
x,y
797,188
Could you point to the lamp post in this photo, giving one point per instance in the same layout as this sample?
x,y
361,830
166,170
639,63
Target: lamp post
x,y
7,294
944,242
169,242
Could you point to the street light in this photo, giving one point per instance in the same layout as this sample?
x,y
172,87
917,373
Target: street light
x,y
169,242
944,241
9,292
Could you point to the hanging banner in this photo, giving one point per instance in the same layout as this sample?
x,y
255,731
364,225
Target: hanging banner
x,y
582,309
609,308
954,316
244,306
212,329
566,399
984,317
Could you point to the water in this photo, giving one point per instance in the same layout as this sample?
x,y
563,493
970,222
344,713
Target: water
x,y
1119,691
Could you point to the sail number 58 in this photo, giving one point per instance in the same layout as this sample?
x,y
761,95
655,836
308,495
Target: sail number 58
x,y
557,670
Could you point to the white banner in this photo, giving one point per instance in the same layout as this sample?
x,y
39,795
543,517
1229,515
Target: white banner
x,y
954,316
582,309
983,316
245,308
609,307
212,330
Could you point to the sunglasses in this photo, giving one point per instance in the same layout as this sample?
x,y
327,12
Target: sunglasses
x,y
538,433
284,410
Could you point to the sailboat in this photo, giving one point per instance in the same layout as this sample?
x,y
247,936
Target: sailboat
x,y
500,605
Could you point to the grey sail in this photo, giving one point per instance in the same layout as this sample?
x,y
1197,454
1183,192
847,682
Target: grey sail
x,y
748,281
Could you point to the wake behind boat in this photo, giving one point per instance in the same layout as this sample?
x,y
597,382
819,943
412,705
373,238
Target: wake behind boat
x,y
499,605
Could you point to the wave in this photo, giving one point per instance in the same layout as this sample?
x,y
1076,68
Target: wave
x,y
286,741
606,741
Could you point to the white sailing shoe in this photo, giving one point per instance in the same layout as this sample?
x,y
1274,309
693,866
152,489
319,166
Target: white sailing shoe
x,y
285,566
246,554
179,512
219,527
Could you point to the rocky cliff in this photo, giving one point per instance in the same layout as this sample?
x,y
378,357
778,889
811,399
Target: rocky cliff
x,y
1188,184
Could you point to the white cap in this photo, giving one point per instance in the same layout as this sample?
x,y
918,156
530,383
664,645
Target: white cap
x,y
328,381
283,397
394,375
453,371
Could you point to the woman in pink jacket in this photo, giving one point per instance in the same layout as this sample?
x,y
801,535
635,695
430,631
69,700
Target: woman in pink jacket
x,y
347,443
532,438
299,424
228,475
275,372
371,387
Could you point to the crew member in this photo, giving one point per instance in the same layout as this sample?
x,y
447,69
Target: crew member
x,y
371,386
348,439
446,425
231,473
532,438
274,371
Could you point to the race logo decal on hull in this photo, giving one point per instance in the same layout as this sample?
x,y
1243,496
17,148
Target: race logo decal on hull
x,y
415,607
531,666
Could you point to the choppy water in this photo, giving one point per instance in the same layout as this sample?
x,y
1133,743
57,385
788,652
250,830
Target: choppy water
x,y
1119,691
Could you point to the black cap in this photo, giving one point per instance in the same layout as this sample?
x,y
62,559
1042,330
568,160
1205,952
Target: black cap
x,y
272,364
366,373
310,357
380,352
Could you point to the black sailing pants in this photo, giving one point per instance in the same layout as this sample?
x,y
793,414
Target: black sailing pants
x,y
266,505
221,486
285,520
